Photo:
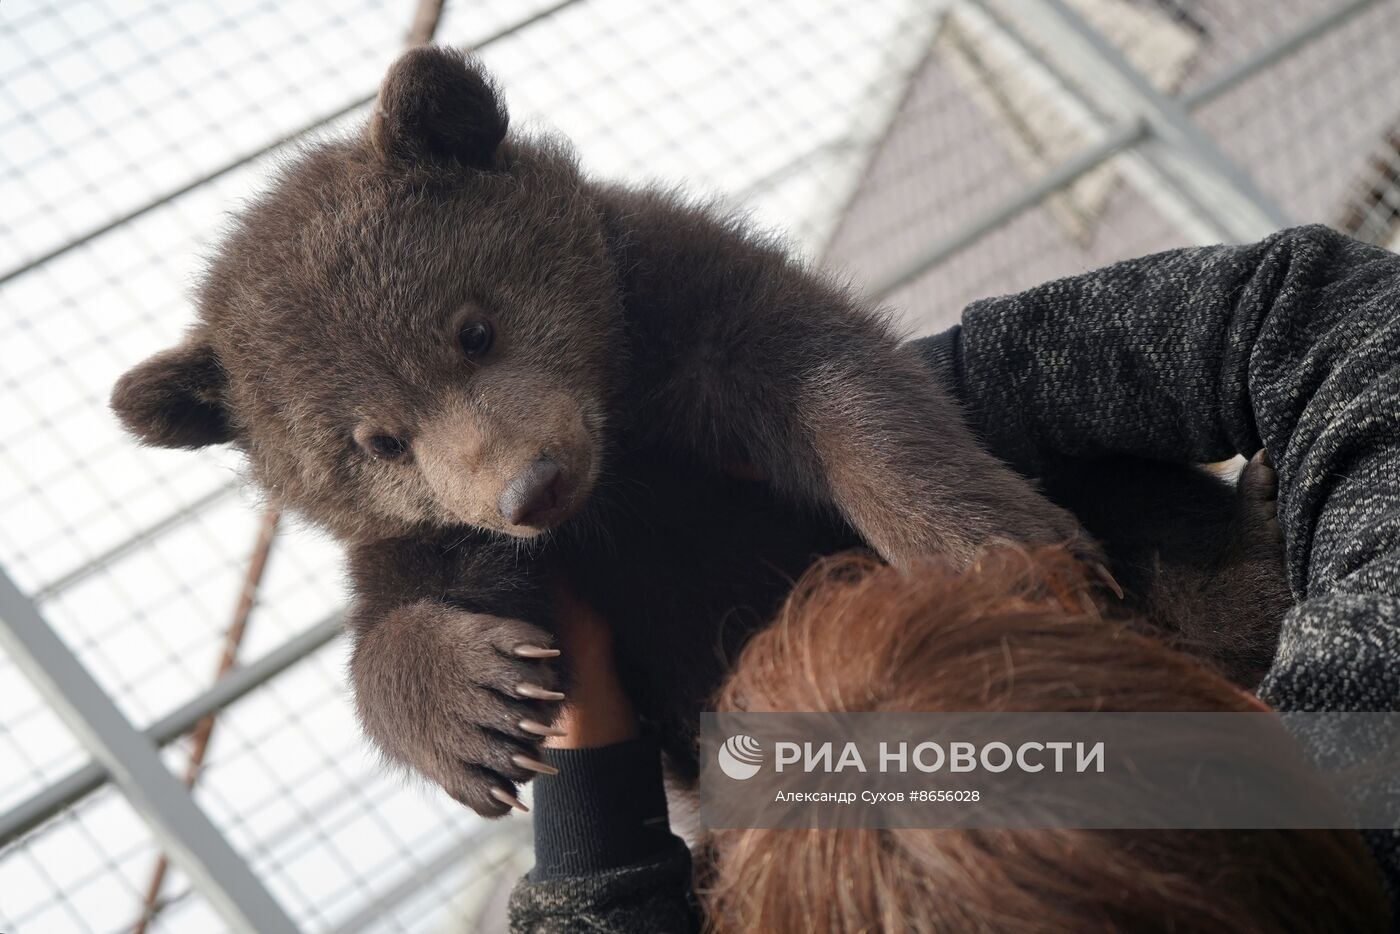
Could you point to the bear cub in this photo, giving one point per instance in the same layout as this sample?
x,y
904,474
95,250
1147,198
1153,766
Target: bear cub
x,y
488,375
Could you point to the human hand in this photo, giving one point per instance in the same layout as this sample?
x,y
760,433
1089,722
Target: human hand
x,y
598,711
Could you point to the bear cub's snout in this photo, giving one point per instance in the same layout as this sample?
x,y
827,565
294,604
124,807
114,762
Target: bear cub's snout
x,y
539,496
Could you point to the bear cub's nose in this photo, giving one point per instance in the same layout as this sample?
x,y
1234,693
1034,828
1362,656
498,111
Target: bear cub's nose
x,y
537,496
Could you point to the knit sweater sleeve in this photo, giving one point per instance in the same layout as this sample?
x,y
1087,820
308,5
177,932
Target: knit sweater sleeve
x,y
1292,344
606,861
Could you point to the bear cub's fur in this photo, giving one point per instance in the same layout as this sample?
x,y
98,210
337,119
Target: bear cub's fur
x,y
487,374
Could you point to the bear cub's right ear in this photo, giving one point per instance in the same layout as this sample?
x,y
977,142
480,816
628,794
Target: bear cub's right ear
x,y
176,398
438,104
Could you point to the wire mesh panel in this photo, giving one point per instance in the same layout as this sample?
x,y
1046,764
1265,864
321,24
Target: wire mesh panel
x,y
995,106
874,133
988,111
1310,126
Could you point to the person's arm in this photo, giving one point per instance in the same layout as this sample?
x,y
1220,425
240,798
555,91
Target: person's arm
x,y
1292,344
605,857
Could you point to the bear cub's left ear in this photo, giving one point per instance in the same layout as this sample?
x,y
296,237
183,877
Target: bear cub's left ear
x,y
176,398
438,104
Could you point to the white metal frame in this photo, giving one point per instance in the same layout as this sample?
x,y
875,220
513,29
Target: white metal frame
x,y
133,763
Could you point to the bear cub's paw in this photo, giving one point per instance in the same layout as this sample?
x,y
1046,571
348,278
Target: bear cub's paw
x,y
1257,531
461,698
1249,594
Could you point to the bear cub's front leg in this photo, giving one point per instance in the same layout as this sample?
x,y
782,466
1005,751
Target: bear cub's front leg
x,y
462,698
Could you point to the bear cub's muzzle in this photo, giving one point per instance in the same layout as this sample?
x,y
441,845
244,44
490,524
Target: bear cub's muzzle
x,y
539,496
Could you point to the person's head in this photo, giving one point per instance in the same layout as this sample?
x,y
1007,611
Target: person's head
x,y
1018,632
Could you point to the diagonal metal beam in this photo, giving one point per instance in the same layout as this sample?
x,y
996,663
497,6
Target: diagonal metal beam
x,y
1118,138
203,733
84,780
885,122
1138,166
252,156
1211,178
133,761
453,855
121,549
1275,52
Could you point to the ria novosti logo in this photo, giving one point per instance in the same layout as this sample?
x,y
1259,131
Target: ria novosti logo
x,y
740,757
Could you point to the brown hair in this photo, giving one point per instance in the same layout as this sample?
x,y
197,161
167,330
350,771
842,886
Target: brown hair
x,y
1017,632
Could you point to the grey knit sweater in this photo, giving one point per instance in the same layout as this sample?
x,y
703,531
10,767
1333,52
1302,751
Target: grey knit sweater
x,y
1292,344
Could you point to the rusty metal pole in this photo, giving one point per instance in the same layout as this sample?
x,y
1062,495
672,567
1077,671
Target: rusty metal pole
x,y
427,14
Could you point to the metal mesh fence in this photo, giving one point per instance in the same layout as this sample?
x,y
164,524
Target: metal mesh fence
x,y
935,151
1297,95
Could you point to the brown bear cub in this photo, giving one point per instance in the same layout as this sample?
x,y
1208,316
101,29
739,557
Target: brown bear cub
x,y
488,375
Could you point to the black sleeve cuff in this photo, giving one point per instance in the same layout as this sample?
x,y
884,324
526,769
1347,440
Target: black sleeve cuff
x,y
605,809
942,353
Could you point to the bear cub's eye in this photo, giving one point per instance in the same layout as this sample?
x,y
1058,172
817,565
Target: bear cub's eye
x,y
476,338
387,447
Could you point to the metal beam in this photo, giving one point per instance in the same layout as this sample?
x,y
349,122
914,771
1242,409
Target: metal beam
x,y
1118,138
1210,176
249,157
83,781
884,123
454,854
964,236
1274,53
1138,166
186,833
203,734
125,547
